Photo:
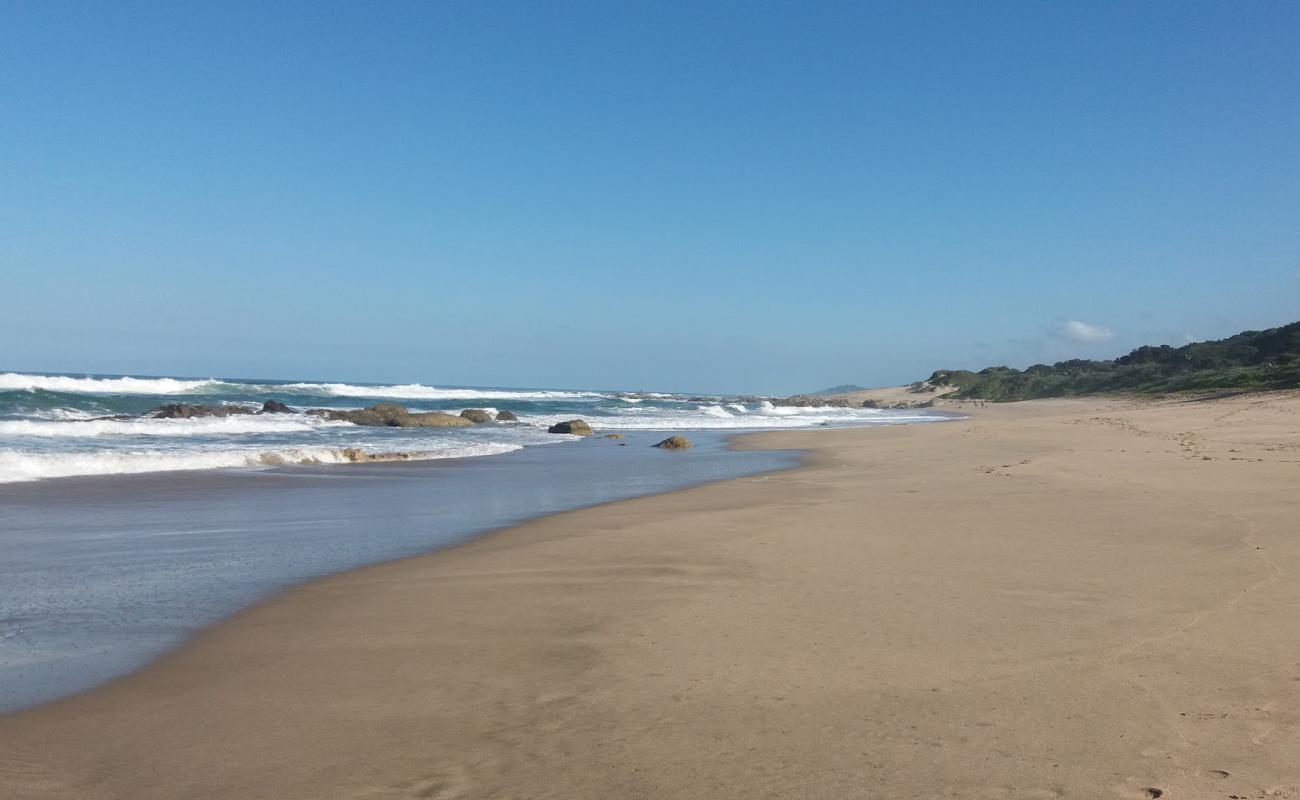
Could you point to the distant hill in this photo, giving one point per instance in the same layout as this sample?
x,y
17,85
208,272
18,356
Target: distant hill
x,y
1249,360
841,389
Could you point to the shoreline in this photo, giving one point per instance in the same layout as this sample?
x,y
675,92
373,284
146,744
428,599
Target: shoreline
x,y
248,479
442,503
910,610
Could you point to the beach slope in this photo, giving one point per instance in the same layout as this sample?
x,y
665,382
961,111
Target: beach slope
x,y
1084,598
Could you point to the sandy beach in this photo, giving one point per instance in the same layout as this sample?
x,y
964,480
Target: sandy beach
x,y
1076,598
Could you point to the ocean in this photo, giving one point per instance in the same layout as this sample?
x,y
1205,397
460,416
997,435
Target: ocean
x,y
54,426
122,535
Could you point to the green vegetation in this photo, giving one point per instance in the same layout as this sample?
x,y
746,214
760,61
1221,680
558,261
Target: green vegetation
x,y
1250,360
843,388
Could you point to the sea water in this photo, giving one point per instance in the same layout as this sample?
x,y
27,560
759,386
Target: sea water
x,y
120,537
54,426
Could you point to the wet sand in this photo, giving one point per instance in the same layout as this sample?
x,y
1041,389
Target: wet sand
x,y
1053,599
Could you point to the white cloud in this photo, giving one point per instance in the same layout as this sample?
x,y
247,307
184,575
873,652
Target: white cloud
x,y
1083,332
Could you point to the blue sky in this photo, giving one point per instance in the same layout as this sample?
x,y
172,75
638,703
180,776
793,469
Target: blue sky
x,y
764,197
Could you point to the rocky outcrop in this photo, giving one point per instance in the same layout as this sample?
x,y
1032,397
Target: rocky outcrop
x,y
192,410
506,416
900,404
275,407
813,401
430,419
675,443
577,427
476,415
391,415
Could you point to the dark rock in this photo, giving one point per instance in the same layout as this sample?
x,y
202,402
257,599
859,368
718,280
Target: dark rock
x,y
191,410
576,427
812,401
361,416
476,415
429,419
275,407
613,436
391,415
676,443
506,416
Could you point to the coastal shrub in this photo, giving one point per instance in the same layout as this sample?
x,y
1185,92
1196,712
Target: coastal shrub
x,y
1267,359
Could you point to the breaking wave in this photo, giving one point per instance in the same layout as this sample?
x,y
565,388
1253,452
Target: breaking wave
x,y
736,416
64,425
15,381
16,465
148,426
416,391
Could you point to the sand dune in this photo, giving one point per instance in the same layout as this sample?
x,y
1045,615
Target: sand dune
x,y
1051,599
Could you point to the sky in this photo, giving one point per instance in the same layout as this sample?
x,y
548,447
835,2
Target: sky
x,y
703,196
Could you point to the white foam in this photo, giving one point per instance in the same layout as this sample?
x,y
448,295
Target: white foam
x,y
13,381
416,391
148,426
19,466
715,411
761,417
65,414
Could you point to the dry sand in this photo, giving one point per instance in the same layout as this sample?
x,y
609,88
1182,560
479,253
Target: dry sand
x,y
1052,599
886,396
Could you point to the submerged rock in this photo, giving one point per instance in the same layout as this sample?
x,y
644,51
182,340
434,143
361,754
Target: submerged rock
x,y
506,416
675,443
275,407
357,455
476,415
576,427
391,415
613,436
192,410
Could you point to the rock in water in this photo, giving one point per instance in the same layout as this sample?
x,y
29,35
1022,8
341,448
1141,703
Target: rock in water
x,y
506,416
191,410
613,436
577,427
476,415
357,455
275,407
676,443
429,419
812,401
391,415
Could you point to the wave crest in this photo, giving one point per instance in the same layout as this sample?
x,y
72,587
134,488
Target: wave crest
x,y
18,466
417,391
16,381
150,426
